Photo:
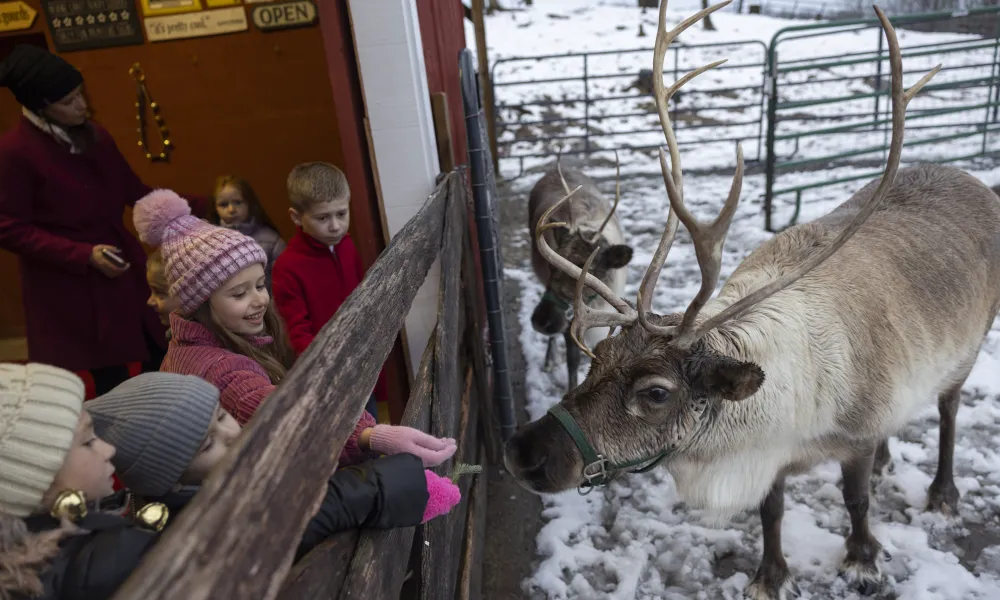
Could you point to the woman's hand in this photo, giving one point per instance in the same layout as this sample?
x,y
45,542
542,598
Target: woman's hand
x,y
103,264
392,439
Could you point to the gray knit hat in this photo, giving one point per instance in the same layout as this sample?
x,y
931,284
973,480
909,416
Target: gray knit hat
x,y
157,422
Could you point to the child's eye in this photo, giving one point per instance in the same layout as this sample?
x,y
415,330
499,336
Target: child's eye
x,y
260,286
239,295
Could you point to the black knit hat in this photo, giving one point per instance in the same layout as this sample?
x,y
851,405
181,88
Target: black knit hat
x,y
37,77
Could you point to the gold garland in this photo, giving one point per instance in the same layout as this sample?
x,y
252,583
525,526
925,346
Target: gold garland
x,y
141,96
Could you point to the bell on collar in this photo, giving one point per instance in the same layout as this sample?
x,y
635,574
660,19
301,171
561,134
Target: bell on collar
x,y
70,504
153,516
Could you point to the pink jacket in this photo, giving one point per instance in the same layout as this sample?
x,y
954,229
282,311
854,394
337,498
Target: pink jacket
x,y
242,383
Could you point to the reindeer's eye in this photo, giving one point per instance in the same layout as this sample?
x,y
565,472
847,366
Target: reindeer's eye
x,y
657,395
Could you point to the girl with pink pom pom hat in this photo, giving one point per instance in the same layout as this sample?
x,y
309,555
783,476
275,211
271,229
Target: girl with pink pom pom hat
x,y
226,330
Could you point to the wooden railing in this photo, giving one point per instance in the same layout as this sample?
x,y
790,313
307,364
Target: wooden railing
x,y
238,536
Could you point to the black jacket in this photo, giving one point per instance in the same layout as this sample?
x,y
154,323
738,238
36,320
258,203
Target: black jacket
x,y
381,493
93,565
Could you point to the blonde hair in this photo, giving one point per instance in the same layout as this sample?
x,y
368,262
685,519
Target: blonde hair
x,y
155,273
275,358
24,556
313,183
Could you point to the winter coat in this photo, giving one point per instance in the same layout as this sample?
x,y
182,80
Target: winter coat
x,y
310,282
242,383
93,565
385,493
268,239
55,206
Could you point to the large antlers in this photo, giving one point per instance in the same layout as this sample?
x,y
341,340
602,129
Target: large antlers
x,y
708,238
900,100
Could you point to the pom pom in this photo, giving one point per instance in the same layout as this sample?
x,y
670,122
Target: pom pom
x,y
155,212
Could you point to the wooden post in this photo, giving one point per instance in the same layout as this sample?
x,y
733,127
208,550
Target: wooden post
x,y
442,131
485,82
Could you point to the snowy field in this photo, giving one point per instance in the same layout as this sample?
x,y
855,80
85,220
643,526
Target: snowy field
x,y
544,98
637,540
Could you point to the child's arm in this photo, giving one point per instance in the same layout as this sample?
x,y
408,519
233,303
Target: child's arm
x,y
356,448
291,305
241,389
381,494
95,565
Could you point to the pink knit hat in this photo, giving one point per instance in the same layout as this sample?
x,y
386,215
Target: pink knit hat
x,y
198,257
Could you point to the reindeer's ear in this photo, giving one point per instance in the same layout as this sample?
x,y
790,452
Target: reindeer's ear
x,y
615,257
726,377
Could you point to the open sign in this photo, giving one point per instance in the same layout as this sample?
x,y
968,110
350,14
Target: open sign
x,y
284,15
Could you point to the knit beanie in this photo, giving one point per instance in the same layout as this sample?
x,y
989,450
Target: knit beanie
x,y
157,422
39,411
198,257
37,77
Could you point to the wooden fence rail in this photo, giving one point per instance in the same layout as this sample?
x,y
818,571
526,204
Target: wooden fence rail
x,y
238,536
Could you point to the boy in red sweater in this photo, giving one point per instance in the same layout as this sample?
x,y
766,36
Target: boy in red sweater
x,y
320,266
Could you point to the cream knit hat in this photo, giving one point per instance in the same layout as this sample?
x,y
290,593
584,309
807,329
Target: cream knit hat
x,y
39,410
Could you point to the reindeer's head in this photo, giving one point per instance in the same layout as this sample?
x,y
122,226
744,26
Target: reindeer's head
x,y
576,244
657,388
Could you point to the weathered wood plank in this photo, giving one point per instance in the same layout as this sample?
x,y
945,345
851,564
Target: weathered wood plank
x,y
470,575
292,443
437,570
380,560
320,574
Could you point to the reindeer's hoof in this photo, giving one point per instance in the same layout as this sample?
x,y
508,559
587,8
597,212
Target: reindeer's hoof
x,y
943,498
865,577
772,586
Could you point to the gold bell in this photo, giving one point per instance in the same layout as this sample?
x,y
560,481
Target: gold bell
x,y
154,516
70,504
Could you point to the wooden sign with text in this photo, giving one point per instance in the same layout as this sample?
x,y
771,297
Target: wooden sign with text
x,y
79,25
285,15
16,16
198,24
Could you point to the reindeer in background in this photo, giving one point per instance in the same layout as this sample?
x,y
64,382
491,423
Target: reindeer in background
x,y
585,225
825,341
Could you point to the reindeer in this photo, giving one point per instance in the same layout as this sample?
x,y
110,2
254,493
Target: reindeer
x,y
586,226
825,341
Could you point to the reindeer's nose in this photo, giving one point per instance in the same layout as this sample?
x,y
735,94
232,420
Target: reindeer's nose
x,y
542,457
546,321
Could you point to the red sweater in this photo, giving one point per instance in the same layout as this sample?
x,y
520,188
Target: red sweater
x,y
309,282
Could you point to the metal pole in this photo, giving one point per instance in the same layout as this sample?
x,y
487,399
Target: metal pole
x,y
586,108
483,187
772,118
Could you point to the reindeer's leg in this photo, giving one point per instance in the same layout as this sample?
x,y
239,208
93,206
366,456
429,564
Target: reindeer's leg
x,y
572,360
773,580
883,462
860,566
550,354
943,495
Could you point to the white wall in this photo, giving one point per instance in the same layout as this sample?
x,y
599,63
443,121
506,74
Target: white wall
x,y
397,102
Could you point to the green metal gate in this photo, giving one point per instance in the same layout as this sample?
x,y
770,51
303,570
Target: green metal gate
x,y
815,139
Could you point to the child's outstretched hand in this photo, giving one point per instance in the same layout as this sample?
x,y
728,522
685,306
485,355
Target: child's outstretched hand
x,y
442,495
393,439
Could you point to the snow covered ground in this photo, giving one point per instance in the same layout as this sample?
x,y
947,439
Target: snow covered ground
x,y
637,539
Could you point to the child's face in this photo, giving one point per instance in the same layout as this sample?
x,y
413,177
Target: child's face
x,y
231,206
239,304
326,222
159,299
221,434
87,467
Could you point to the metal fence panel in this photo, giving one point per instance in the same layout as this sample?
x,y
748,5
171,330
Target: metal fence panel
x,y
582,103
829,117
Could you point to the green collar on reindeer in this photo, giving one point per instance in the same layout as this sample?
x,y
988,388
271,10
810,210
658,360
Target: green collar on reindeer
x,y
597,470
562,304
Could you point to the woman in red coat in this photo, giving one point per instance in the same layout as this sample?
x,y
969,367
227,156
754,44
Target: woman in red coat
x,y
64,187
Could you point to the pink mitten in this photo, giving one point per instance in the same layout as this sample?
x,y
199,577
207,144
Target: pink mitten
x,y
393,439
442,495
